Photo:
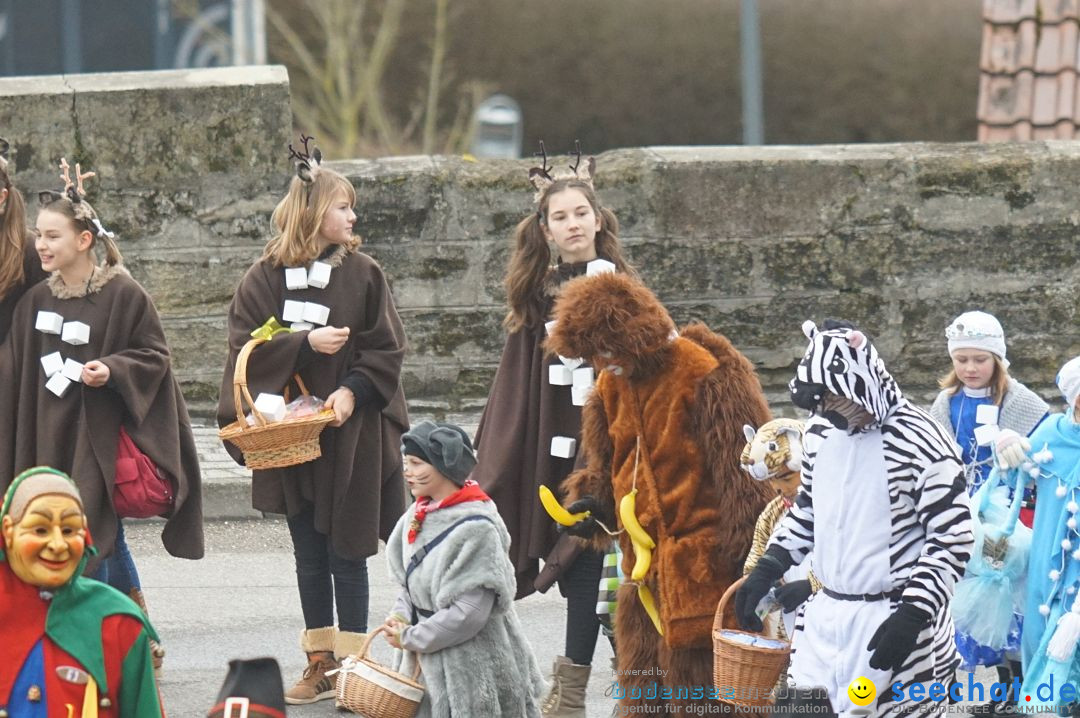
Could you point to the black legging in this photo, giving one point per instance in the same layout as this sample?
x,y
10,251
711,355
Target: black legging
x,y
580,584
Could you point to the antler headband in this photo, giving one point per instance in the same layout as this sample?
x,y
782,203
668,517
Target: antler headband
x,y
308,162
74,191
74,188
542,178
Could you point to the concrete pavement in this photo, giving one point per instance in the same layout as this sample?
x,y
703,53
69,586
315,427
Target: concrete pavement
x,y
241,601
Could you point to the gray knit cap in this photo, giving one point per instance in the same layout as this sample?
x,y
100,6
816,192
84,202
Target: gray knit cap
x,y
444,446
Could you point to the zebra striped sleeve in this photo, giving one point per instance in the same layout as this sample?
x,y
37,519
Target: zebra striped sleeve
x,y
942,509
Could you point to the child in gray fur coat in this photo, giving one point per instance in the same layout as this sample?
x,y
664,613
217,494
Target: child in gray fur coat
x,y
450,554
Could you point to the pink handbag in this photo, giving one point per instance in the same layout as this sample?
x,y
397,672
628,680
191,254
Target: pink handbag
x,y
140,490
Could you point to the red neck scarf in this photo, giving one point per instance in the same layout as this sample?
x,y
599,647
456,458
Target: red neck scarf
x,y
471,491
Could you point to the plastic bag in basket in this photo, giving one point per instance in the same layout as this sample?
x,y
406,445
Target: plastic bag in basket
x,y
298,408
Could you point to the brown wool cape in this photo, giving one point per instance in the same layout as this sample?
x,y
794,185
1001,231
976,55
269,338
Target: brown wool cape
x,y
513,439
78,432
356,486
32,274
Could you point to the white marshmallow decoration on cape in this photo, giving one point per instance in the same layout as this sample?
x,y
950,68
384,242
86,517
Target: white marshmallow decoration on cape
x,y
319,275
52,363
316,313
73,370
598,266
296,278
49,322
76,333
58,384
293,311
560,375
583,377
571,363
563,446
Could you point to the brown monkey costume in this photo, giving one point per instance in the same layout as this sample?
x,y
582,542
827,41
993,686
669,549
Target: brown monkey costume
x,y
683,398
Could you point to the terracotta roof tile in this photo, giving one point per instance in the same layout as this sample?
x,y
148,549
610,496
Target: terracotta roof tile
x,y
1008,48
1066,99
1057,10
1029,86
1044,104
1008,11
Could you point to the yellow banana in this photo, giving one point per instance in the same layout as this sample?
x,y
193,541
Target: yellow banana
x,y
642,561
630,522
649,604
555,509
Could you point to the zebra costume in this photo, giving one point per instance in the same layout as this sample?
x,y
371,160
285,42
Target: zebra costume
x,y
884,509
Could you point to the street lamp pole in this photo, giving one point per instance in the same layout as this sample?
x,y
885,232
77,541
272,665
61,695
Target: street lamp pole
x,y
753,114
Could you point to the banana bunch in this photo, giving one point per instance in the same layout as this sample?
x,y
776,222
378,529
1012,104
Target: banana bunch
x,y
642,541
643,547
556,511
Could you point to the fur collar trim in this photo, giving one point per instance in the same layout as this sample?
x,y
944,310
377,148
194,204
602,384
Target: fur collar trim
x,y
335,258
101,276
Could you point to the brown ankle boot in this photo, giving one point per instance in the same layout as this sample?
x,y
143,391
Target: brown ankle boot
x,y
315,685
157,651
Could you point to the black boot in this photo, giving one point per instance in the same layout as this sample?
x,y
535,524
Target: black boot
x,y
1002,708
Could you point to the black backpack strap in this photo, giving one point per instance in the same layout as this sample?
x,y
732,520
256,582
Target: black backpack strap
x,y
423,551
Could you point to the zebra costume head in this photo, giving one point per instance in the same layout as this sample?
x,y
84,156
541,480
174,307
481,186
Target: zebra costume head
x,y
841,360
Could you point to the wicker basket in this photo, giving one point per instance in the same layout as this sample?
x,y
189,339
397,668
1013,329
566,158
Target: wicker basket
x,y
744,675
271,445
374,691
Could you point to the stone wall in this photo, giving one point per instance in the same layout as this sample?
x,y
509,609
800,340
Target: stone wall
x,y
190,165
898,238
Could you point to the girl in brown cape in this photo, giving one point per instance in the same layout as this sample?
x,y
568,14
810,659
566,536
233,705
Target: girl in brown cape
x,y
524,411
341,504
117,374
19,265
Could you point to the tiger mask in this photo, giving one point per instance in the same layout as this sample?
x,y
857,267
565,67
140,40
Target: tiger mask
x,y
773,453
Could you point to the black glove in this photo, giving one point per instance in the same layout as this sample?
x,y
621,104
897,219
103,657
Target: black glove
x,y
791,595
768,571
587,527
895,637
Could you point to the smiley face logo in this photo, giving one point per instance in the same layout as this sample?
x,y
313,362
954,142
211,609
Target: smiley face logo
x,y
862,691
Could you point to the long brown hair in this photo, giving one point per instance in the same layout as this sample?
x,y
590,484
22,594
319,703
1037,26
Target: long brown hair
x,y
12,235
527,272
999,381
299,215
82,217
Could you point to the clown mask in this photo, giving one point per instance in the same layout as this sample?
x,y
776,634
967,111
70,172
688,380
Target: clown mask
x,y
45,545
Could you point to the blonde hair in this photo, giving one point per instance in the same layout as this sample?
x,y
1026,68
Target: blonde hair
x,y
999,381
82,216
298,218
12,235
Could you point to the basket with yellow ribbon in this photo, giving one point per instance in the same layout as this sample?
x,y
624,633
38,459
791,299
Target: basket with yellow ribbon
x,y
271,444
